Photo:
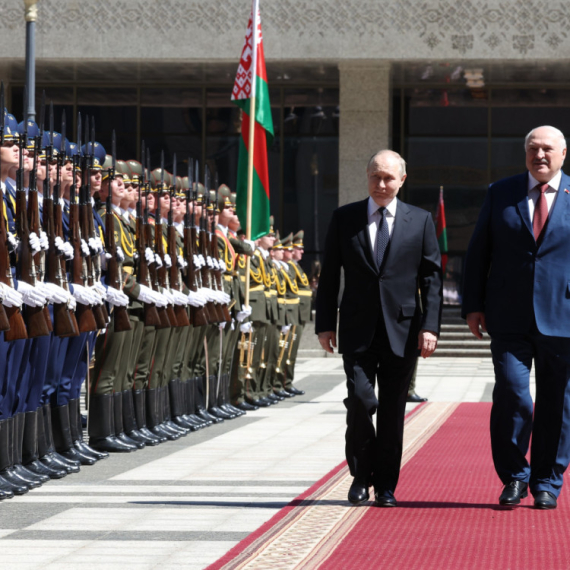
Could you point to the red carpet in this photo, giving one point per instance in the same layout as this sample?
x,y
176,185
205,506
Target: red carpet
x,y
448,515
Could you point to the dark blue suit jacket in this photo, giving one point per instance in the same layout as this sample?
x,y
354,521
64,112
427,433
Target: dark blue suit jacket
x,y
507,276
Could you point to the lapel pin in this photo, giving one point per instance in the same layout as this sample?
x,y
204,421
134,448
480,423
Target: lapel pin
x,y
566,190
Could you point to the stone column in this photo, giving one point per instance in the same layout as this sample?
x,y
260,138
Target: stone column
x,y
364,123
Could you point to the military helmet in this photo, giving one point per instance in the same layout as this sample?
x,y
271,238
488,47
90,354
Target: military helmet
x,y
107,165
11,131
136,171
224,197
99,154
121,167
277,244
298,239
200,193
155,177
288,242
33,131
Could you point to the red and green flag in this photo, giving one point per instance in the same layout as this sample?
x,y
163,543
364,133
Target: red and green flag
x,y
251,85
441,230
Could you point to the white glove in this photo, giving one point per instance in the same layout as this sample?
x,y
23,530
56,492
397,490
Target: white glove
x,y
244,313
94,246
250,243
167,261
210,262
99,244
13,241
120,255
54,293
71,303
226,299
182,263
233,325
146,295
195,299
197,261
84,248
96,293
246,327
202,260
179,298
82,295
169,296
149,255
221,326
285,329
10,297
64,248
44,242
100,288
160,300
35,243
32,296
116,298
158,261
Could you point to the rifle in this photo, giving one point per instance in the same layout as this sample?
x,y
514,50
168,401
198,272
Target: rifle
x,y
114,277
11,319
159,246
92,261
207,277
83,313
151,317
174,277
198,315
64,322
26,269
215,254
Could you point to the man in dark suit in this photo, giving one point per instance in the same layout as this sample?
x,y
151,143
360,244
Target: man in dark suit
x,y
517,287
390,310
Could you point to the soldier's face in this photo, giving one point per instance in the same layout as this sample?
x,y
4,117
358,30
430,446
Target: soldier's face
x,y
164,204
226,216
10,153
287,255
118,188
96,178
277,254
266,242
41,169
298,253
67,173
384,179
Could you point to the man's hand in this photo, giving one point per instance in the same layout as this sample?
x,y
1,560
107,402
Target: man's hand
x,y
328,341
427,342
474,320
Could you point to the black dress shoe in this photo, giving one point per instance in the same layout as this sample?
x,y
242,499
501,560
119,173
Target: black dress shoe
x,y
544,500
415,399
358,492
283,394
295,391
385,499
247,407
513,493
262,402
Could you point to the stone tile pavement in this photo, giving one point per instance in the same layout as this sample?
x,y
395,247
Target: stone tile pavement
x,y
184,504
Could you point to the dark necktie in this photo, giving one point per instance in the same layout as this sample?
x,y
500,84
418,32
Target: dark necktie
x,y
540,214
382,237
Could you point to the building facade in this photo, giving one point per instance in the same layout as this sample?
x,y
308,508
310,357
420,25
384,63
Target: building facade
x,y
452,85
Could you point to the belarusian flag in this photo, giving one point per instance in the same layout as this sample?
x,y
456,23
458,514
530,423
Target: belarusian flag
x,y
251,84
441,230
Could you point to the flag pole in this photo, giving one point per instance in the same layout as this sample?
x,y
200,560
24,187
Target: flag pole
x,y
252,102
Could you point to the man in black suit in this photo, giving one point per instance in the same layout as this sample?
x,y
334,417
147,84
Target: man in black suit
x,y
389,313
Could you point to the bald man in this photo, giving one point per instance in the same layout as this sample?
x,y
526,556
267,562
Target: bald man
x,y
390,313
517,287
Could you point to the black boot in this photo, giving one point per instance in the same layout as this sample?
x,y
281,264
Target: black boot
x,y
130,422
213,409
18,436
183,395
8,486
139,397
76,423
101,431
119,427
62,437
154,415
191,403
224,402
174,395
166,414
30,456
17,475
46,449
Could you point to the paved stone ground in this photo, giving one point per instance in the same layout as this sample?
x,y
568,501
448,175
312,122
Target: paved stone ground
x,y
184,504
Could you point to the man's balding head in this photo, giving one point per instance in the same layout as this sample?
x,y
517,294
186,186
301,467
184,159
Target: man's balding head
x,y
386,172
545,152
387,155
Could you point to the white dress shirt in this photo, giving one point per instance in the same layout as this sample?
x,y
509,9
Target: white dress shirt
x,y
374,219
550,194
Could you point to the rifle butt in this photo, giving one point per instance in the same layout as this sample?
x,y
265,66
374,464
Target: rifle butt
x,y
101,316
47,317
17,329
212,313
221,318
181,316
163,317
151,317
172,316
36,322
85,318
64,321
4,322
121,317
199,316
226,313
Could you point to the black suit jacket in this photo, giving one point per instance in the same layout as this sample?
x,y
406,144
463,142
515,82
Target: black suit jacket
x,y
412,265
